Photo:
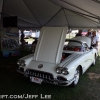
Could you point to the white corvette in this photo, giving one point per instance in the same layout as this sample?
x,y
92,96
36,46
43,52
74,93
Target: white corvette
x,y
58,60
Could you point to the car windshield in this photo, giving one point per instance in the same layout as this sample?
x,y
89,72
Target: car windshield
x,y
73,45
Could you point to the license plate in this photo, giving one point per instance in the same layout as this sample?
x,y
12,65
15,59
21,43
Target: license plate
x,y
35,80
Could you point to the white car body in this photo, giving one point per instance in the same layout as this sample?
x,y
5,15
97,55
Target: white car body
x,y
46,66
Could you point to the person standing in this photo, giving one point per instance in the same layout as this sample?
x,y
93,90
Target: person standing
x,y
79,33
23,42
33,46
22,37
94,40
89,34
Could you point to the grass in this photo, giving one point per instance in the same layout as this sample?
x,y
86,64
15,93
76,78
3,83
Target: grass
x,y
69,37
30,39
14,83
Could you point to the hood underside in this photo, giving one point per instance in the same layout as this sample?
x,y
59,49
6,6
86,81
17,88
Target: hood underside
x,y
50,44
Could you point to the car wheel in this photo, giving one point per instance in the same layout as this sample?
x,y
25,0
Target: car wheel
x,y
76,77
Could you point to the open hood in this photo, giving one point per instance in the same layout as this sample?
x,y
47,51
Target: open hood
x,y
50,44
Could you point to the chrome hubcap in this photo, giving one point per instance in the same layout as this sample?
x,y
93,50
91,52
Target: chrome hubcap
x,y
76,76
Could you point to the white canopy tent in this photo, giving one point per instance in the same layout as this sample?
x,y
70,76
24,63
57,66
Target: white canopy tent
x,y
38,13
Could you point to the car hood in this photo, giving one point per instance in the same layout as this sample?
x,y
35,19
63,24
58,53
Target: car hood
x,y
46,67
50,44
70,59
51,67
27,57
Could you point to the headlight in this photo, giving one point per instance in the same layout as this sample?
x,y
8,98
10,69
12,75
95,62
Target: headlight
x,y
61,70
58,70
65,71
21,63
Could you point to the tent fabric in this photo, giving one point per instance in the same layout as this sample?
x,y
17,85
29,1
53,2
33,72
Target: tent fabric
x,y
1,3
39,13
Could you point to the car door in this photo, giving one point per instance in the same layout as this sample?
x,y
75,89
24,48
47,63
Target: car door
x,y
88,57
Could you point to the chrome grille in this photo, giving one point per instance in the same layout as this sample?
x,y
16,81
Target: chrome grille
x,y
39,74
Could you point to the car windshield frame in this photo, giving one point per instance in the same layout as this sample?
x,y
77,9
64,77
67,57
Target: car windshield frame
x,y
72,46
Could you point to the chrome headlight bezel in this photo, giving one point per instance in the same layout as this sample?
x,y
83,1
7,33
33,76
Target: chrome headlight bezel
x,y
21,63
65,71
58,70
62,70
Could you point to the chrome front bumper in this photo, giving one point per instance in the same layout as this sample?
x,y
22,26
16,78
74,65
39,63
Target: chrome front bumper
x,y
45,77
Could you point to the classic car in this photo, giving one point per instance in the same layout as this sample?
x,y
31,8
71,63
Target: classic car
x,y
58,60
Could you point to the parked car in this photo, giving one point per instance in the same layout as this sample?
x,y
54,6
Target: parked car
x,y
27,34
58,61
